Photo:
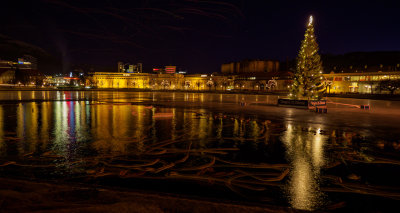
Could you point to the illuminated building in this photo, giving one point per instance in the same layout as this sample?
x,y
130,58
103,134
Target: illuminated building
x,y
250,66
20,64
54,81
195,82
32,60
61,81
166,81
365,82
165,70
170,69
121,66
269,81
147,81
118,80
158,70
277,81
8,69
129,68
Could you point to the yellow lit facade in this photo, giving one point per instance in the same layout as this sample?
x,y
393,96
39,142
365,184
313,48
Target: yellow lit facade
x,y
151,81
194,82
119,80
366,82
273,81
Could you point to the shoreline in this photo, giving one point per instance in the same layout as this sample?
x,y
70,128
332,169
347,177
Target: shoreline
x,y
387,97
146,90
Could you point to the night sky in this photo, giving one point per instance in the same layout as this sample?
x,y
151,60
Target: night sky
x,y
194,34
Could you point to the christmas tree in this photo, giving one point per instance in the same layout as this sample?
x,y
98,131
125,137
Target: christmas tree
x,y
307,81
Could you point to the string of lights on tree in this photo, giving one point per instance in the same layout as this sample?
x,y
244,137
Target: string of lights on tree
x,y
307,81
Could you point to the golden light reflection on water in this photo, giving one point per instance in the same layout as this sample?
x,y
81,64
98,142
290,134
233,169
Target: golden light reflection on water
x,y
306,155
255,129
59,133
20,120
45,118
74,129
32,124
61,137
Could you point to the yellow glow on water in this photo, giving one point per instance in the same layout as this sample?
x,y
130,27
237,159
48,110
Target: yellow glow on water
x,y
236,127
44,129
306,156
31,125
220,128
140,127
174,124
101,123
303,185
255,129
61,138
242,128
317,151
78,118
203,126
20,121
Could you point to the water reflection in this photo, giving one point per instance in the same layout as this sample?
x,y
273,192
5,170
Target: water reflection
x,y
60,135
306,156
75,129
243,153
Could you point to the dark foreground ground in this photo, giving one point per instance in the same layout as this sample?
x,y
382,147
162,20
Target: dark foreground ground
x,y
27,196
